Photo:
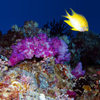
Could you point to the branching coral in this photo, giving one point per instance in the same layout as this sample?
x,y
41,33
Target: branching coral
x,y
57,28
40,46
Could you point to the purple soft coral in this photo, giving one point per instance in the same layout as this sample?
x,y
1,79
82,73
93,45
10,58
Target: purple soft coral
x,y
78,72
63,54
40,46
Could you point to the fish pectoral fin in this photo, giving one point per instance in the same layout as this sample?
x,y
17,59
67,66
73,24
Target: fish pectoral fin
x,y
74,29
68,22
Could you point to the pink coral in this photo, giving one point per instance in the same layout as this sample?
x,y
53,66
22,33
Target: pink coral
x,y
40,46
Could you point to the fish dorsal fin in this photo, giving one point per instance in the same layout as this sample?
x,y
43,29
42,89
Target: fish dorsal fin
x,y
68,15
73,12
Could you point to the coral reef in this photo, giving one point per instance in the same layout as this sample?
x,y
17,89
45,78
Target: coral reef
x,y
85,47
8,39
6,51
86,85
78,72
29,29
43,66
3,65
43,79
57,28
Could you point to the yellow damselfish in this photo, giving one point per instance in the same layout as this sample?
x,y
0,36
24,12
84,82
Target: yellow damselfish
x,y
76,21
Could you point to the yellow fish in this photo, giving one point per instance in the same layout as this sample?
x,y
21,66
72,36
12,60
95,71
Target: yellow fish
x,y
76,21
